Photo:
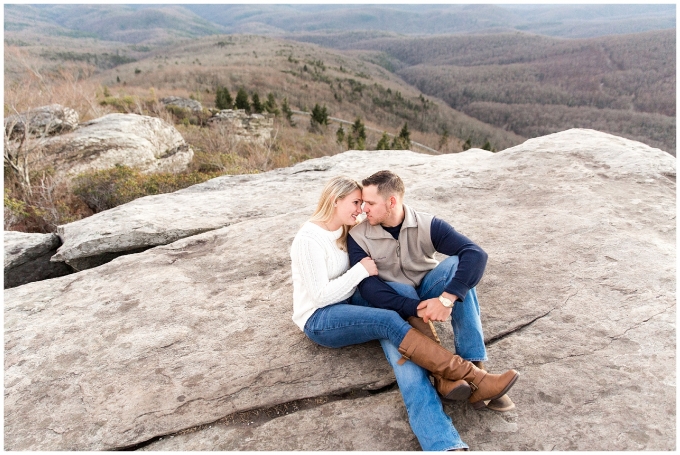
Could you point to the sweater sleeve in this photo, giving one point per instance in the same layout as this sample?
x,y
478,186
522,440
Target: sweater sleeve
x,y
471,258
309,260
377,292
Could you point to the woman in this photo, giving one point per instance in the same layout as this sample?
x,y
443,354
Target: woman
x,y
324,287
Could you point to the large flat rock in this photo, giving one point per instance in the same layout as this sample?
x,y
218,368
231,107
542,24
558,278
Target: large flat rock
x,y
374,423
156,342
579,296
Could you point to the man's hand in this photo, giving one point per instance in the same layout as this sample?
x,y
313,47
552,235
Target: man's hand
x,y
433,310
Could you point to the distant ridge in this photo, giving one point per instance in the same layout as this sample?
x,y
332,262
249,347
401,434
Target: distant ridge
x,y
146,23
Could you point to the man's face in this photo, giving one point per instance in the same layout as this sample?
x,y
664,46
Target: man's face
x,y
376,207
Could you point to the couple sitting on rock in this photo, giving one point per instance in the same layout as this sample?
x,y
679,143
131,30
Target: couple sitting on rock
x,y
401,289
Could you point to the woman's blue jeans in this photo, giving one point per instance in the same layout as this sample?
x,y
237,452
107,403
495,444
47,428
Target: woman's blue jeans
x,y
344,324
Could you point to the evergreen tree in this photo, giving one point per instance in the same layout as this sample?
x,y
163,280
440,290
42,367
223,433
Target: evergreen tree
x,y
358,135
340,135
467,145
444,139
384,142
256,105
320,115
405,135
270,105
350,142
242,100
223,99
287,112
403,141
358,129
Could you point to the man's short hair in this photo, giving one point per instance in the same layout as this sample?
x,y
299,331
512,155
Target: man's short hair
x,y
388,183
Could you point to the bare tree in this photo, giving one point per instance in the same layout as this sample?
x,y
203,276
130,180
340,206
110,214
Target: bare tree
x,y
23,147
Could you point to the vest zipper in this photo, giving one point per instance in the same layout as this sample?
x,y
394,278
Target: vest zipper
x,y
401,266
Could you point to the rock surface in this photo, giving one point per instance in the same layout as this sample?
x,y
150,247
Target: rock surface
x,y
185,103
250,127
45,120
147,143
27,258
340,425
578,295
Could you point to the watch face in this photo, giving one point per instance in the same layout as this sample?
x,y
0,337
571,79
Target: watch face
x,y
446,302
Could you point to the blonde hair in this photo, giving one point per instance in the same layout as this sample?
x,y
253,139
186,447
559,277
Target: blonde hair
x,y
337,188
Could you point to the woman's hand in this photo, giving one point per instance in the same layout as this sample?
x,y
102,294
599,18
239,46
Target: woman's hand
x,y
369,265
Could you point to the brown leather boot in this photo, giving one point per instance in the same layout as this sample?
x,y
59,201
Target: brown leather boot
x,y
422,351
502,404
448,390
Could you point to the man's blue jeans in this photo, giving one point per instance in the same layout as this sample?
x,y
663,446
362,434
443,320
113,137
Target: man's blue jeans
x,y
468,337
344,324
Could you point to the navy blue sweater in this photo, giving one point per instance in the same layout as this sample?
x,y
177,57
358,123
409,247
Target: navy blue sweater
x,y
471,264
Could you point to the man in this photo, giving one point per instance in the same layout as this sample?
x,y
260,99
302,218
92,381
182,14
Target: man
x,y
402,242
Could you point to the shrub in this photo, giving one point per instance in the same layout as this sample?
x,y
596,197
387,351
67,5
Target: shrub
x,y
124,104
108,188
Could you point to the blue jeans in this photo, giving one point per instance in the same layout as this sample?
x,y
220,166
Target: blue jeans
x,y
468,337
353,322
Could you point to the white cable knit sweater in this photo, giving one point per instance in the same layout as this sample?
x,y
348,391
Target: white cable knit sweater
x,y
320,275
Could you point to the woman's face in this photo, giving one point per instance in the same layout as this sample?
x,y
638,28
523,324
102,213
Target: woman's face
x,y
348,208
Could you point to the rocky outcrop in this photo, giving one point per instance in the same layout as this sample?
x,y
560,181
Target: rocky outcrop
x,y
43,121
184,103
27,258
192,341
147,143
249,127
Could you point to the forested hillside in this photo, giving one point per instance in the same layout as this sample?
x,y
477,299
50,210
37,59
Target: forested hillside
x,y
534,85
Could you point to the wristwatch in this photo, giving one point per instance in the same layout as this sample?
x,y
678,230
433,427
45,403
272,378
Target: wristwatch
x,y
446,302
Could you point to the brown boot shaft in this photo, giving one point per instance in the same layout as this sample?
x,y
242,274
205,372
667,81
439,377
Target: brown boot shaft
x,y
447,389
424,328
422,351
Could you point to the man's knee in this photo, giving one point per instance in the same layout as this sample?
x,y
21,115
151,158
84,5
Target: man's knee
x,y
450,264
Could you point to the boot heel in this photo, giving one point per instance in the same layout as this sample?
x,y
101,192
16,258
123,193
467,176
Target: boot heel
x,y
460,391
478,405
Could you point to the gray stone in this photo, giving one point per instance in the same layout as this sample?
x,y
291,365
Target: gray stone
x,y
45,120
27,258
375,423
147,143
255,128
184,103
578,295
